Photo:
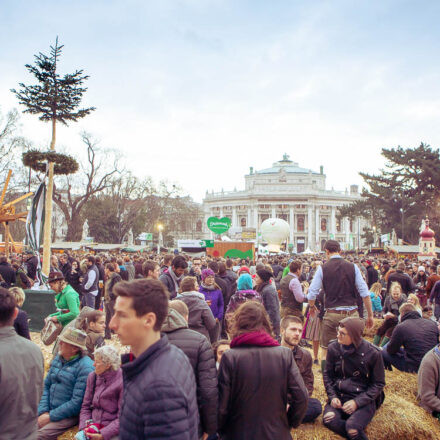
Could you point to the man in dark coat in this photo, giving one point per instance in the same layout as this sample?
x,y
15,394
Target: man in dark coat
x,y
160,400
372,274
415,334
65,267
7,272
31,265
354,378
201,358
402,278
172,276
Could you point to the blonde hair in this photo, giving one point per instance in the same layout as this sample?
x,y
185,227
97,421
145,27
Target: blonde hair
x,y
416,300
395,285
18,295
376,288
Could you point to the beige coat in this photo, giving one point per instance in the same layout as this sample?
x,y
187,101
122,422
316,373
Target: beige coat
x,y
429,381
21,385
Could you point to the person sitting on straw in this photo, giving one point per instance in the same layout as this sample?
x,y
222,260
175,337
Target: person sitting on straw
x,y
354,378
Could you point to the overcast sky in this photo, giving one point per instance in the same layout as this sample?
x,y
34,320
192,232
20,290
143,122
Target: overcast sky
x,y
197,91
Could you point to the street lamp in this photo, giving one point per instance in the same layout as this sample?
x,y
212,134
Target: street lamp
x,y
160,229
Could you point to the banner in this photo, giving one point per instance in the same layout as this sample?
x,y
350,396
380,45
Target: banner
x,y
35,223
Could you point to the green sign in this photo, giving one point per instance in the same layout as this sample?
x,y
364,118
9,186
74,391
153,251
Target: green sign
x,y
207,243
332,236
219,225
236,253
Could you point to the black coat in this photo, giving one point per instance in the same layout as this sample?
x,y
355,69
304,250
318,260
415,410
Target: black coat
x,y
8,273
255,386
271,303
201,357
31,267
21,324
372,276
66,269
417,336
225,288
403,279
356,374
159,395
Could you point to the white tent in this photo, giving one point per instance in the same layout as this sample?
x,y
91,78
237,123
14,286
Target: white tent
x,y
308,251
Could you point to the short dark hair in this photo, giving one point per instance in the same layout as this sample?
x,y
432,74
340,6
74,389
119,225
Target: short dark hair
x,y
188,284
149,266
221,268
213,265
229,263
287,320
332,246
91,259
295,265
149,296
179,262
110,267
7,307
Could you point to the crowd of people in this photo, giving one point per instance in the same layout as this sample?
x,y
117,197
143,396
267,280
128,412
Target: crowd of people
x,y
218,348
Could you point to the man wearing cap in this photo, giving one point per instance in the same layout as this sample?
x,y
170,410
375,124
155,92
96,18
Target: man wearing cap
x,y
354,378
64,386
342,283
66,299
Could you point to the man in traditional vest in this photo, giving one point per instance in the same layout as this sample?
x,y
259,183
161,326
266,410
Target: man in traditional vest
x,y
342,282
292,296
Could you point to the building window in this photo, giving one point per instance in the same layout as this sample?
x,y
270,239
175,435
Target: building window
x,y
264,217
199,226
338,225
351,225
300,223
243,222
323,224
283,216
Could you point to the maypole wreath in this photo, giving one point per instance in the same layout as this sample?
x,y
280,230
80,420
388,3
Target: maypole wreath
x,y
37,160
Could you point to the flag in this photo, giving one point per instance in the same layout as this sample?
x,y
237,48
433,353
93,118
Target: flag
x,y
35,223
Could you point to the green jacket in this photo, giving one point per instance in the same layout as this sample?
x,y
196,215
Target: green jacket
x,y
67,299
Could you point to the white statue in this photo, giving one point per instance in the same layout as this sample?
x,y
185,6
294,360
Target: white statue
x,y
423,225
85,231
130,237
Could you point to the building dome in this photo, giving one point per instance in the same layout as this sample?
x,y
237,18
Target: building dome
x,y
427,233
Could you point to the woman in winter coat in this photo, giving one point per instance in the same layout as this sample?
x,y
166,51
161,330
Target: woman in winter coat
x,y
214,297
103,397
394,300
245,292
257,369
265,286
200,317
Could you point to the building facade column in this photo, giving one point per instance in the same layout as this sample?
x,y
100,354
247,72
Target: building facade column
x,y
317,228
221,211
274,213
310,227
291,224
256,225
234,216
333,222
249,217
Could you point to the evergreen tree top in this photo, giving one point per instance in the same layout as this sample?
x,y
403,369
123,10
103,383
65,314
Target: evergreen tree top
x,y
55,97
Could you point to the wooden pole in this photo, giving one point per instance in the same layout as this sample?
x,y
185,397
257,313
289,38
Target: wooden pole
x,y
8,178
48,215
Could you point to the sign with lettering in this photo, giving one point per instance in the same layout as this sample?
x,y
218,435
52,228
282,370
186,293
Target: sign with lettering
x,y
219,225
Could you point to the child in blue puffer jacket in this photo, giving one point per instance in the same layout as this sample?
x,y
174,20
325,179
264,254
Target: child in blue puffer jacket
x,y
376,299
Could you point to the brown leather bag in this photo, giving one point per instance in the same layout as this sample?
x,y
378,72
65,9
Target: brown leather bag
x,y
50,332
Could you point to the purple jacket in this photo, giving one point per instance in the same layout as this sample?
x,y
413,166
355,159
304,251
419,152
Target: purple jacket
x,y
106,401
241,297
216,298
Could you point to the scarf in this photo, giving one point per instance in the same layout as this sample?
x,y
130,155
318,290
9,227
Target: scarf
x,y
175,279
213,287
258,338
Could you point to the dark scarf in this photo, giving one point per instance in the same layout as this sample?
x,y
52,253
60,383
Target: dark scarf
x,y
259,338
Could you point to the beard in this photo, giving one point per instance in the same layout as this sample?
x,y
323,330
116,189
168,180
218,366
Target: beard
x,y
291,342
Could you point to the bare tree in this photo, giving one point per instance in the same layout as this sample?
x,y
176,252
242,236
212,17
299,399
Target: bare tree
x,y
75,191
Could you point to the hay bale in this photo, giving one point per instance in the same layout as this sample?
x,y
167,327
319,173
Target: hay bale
x,y
69,435
369,333
400,416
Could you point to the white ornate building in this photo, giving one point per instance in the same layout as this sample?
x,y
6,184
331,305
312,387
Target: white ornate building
x,y
295,194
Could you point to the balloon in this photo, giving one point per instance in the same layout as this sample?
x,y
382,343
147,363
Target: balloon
x,y
274,231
